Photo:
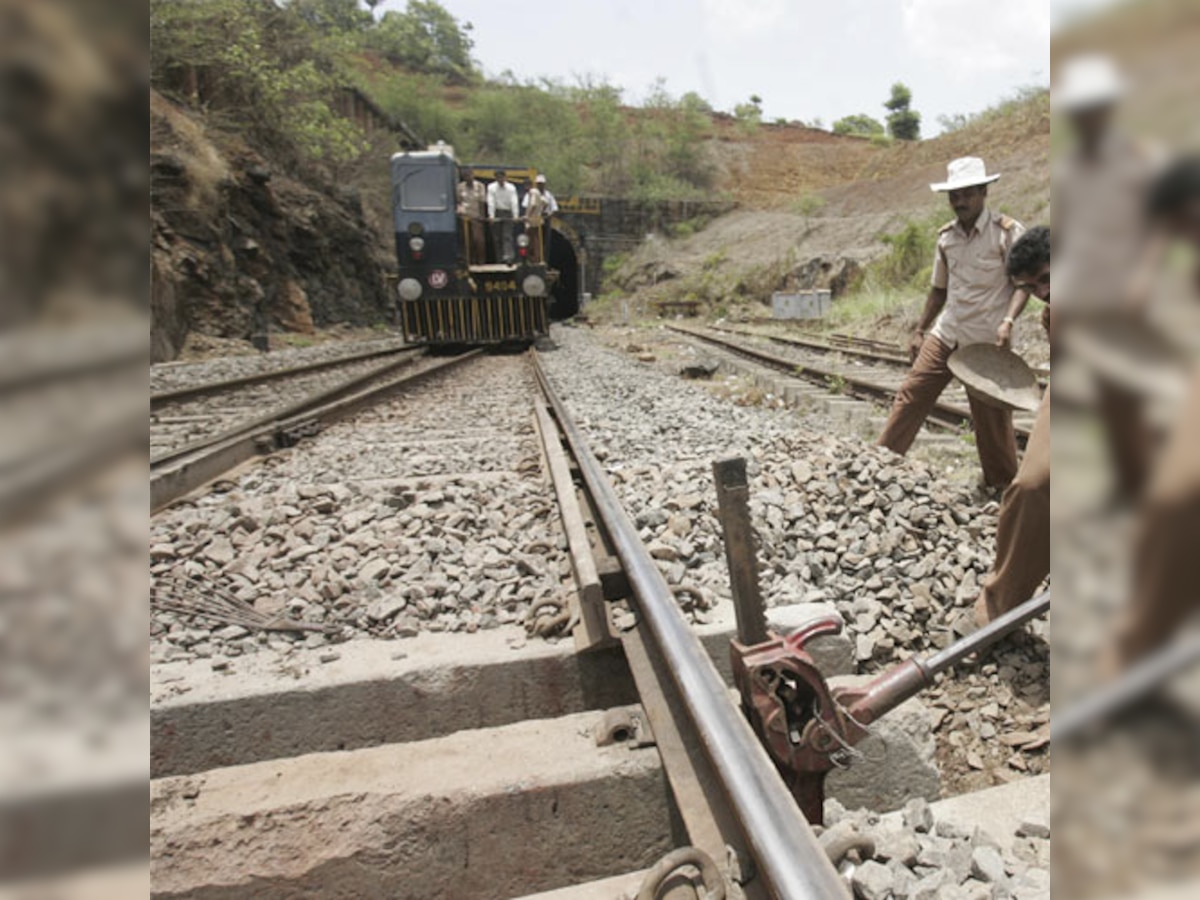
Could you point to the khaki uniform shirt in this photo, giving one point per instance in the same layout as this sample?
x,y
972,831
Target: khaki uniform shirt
x,y
472,200
1099,226
535,206
971,268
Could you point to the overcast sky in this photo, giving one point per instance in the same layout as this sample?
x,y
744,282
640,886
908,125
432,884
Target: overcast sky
x,y
807,59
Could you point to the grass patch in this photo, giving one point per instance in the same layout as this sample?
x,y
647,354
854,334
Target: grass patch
x,y
871,305
808,205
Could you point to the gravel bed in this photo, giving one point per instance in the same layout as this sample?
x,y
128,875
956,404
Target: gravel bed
x,y
429,512
899,552
170,376
919,857
176,424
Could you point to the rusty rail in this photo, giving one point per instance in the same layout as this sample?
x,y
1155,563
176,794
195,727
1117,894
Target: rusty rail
x,y
784,849
174,395
185,470
944,413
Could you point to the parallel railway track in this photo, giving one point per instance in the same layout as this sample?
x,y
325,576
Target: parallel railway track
x,y
181,469
952,415
205,388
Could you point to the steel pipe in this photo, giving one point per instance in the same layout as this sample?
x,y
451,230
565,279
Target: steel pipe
x,y
912,676
785,849
988,634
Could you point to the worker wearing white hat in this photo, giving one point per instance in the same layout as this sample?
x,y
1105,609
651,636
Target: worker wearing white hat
x,y
971,300
1105,257
539,206
551,203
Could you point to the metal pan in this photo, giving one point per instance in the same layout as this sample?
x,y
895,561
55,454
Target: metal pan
x,y
996,376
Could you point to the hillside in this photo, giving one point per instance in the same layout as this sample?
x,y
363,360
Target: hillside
x,y
240,246
834,202
270,198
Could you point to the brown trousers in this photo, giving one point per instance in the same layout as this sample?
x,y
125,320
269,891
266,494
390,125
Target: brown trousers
x,y
1167,552
476,241
1023,529
994,436
534,231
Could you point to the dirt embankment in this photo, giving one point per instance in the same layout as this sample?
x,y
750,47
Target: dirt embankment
x,y
239,247
814,207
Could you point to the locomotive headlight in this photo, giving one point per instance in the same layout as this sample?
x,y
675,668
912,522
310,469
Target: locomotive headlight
x,y
409,289
522,240
534,286
416,244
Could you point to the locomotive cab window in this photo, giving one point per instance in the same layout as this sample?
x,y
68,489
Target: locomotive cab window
x,y
424,189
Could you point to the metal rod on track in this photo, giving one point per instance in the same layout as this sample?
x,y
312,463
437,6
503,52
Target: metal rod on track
x,y
988,634
782,842
733,494
912,676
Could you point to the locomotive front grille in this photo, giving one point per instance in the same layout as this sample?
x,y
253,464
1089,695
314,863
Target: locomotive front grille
x,y
474,320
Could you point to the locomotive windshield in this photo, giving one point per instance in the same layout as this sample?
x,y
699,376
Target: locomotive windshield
x,y
424,189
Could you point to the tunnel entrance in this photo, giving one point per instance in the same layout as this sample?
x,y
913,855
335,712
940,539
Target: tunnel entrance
x,y
565,294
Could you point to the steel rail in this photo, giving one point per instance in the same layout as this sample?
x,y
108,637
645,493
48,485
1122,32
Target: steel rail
x,y
885,353
781,841
945,413
289,410
189,468
823,347
174,395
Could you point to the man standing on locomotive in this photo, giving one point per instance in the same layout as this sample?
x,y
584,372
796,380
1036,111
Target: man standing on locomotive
x,y
551,203
549,208
472,209
968,303
503,208
535,210
1023,529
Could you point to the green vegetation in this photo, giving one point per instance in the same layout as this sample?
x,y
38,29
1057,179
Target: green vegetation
x,y
272,73
749,115
903,123
257,69
858,124
1030,99
836,384
894,283
808,205
612,263
909,260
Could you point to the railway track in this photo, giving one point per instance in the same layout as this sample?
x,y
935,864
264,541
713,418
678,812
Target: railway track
x,y
730,796
180,387
876,383
185,416
463,761
868,349
229,437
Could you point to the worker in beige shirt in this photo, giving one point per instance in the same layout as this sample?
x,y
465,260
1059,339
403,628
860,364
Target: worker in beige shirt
x,y
1106,254
472,210
972,300
535,211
